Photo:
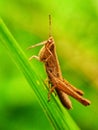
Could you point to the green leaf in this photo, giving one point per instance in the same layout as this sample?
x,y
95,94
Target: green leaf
x,y
58,115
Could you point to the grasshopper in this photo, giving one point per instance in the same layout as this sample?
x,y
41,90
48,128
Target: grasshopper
x,y
63,88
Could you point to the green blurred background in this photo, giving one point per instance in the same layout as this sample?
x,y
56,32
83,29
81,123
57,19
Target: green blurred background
x,y
74,27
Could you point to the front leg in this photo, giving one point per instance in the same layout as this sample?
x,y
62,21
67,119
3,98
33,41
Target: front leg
x,y
36,57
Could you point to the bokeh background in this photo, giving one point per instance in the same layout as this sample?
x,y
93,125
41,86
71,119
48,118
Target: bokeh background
x,y
75,30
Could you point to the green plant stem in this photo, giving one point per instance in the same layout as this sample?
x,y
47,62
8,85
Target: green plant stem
x,y
58,116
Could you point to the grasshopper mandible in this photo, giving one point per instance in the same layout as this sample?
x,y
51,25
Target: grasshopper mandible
x,y
63,88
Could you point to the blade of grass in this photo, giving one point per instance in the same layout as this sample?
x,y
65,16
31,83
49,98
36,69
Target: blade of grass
x,y
58,116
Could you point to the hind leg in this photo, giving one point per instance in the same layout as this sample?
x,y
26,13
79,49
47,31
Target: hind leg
x,y
80,92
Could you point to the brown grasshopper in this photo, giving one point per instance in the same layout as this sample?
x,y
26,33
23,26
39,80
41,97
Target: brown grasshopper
x,y
63,88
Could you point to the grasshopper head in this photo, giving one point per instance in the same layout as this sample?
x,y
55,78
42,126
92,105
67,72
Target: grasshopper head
x,y
46,50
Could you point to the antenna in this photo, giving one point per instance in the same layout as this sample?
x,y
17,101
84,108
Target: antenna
x,y
49,25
